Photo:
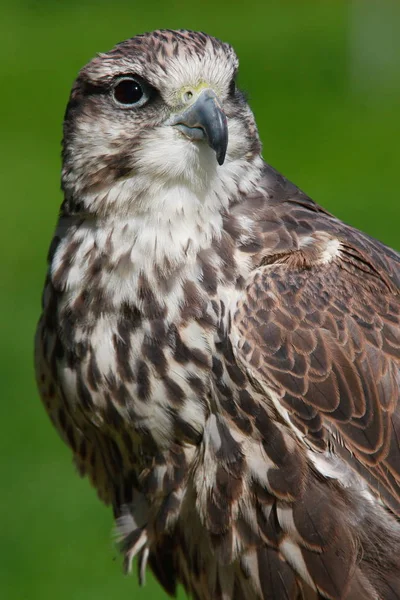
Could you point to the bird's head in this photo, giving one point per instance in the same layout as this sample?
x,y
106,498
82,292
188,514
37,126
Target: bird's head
x,y
161,107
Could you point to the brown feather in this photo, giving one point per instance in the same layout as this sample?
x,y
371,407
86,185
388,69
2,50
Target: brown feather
x,y
357,385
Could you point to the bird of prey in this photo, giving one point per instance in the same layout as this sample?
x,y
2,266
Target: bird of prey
x,y
220,353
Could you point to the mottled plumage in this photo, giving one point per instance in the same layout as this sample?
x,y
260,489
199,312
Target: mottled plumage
x,y
221,354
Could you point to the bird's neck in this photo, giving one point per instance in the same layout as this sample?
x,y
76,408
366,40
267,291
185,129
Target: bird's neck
x,y
164,221
159,232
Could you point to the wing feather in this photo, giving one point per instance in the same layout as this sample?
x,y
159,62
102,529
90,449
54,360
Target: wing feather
x,y
323,331
82,441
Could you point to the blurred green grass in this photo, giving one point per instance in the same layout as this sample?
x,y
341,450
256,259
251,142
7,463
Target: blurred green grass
x,y
329,120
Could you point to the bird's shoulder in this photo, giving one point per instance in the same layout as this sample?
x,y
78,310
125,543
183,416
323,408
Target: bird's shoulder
x,y
283,225
318,322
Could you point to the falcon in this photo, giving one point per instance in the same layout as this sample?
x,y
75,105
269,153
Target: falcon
x,y
220,353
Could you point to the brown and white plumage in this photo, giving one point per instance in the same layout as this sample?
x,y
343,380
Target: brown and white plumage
x,y
220,353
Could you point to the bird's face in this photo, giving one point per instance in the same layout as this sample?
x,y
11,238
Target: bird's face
x,y
162,107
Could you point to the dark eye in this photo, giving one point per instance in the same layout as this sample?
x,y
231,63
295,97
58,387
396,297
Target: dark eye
x,y
130,91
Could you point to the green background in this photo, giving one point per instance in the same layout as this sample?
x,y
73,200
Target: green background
x,y
323,79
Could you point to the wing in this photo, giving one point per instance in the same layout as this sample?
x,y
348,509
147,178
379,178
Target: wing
x,y
318,326
73,431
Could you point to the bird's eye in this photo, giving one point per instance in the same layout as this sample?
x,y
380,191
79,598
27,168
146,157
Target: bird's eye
x,y
130,91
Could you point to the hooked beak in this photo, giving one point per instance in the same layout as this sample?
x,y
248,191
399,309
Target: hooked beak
x,y
205,120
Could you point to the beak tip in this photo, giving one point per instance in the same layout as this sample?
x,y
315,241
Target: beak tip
x,y
221,158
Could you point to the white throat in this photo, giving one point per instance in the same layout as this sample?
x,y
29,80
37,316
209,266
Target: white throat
x,y
156,229
178,225
171,216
